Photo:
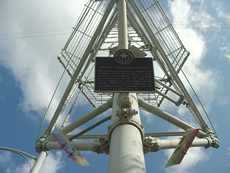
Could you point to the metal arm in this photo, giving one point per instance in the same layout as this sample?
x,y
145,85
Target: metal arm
x,y
39,162
153,144
87,117
90,128
166,116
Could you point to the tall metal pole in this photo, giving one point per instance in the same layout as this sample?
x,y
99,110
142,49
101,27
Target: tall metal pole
x,y
126,147
39,162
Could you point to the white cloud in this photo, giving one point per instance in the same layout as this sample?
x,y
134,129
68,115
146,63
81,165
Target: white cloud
x,y
191,159
203,21
4,157
24,168
227,56
184,17
222,12
52,164
32,35
227,19
196,44
225,51
199,17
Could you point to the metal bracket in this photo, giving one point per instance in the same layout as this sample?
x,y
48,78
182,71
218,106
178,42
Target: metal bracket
x,y
125,121
214,141
126,113
104,147
41,144
180,101
150,144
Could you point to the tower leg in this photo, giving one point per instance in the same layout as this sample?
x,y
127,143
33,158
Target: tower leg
x,y
39,162
126,147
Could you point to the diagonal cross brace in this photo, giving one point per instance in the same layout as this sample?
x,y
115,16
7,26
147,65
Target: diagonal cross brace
x,y
168,117
97,111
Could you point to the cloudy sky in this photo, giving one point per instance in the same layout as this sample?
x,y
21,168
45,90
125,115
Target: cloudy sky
x,y
32,33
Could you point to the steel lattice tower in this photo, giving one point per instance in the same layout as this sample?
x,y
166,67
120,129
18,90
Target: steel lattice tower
x,y
141,27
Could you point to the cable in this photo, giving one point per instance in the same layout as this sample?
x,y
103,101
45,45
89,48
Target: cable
x,y
74,102
198,99
21,153
51,100
74,48
45,114
75,45
90,127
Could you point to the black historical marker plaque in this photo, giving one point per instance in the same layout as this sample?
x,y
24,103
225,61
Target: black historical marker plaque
x,y
115,75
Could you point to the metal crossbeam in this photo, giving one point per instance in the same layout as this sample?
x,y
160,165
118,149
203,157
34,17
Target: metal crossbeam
x,y
168,117
97,111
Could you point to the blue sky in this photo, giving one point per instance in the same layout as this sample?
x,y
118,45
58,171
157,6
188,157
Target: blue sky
x,y
33,33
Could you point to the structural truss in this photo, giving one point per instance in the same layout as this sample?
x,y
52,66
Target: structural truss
x,y
150,34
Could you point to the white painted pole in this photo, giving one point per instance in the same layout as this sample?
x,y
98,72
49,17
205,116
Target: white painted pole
x,y
39,162
126,147
122,25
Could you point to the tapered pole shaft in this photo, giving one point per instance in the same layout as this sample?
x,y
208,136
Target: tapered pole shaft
x,y
126,147
122,25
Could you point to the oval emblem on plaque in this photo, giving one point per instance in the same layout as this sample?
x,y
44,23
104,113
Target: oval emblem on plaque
x,y
123,56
